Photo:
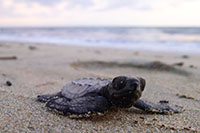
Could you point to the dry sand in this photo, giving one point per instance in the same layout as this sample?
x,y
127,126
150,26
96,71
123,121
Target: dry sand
x,y
40,68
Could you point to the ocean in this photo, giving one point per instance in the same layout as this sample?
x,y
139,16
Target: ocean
x,y
168,39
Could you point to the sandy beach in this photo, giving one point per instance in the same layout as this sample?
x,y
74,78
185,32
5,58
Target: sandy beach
x,y
34,69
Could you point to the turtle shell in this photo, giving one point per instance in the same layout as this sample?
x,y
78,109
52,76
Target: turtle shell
x,y
81,87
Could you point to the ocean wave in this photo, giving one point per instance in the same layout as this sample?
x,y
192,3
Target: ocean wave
x,y
157,39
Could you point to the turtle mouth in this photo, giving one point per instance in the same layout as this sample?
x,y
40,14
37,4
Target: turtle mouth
x,y
125,94
126,98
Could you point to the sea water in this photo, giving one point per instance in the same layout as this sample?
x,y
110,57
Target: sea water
x,y
169,39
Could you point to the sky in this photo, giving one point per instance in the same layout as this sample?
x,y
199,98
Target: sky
x,y
99,13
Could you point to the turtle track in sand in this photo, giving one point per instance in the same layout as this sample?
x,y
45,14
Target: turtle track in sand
x,y
90,66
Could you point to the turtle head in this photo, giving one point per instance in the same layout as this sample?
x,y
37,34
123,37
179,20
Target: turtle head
x,y
124,91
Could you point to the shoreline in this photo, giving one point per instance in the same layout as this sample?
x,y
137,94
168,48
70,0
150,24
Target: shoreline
x,y
105,47
39,69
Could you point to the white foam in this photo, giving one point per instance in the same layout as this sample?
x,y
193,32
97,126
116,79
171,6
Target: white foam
x,y
153,39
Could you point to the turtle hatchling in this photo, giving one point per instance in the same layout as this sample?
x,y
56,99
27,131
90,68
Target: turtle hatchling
x,y
89,96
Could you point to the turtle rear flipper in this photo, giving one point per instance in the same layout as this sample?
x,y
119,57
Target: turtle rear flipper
x,y
47,97
160,108
80,107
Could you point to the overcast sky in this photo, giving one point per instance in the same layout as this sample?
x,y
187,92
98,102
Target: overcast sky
x,y
99,12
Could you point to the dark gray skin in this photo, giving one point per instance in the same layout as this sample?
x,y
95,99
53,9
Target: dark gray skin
x,y
93,96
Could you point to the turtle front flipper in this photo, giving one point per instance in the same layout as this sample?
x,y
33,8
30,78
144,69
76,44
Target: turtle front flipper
x,y
47,97
160,108
80,107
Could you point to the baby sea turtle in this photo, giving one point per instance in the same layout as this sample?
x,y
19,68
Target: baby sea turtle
x,y
88,96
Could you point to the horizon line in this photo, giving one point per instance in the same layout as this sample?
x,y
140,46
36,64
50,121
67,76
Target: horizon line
x,y
103,26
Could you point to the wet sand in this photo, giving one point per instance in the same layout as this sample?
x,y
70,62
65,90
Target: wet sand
x,y
34,69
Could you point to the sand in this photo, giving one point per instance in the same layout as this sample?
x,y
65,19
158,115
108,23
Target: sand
x,y
43,68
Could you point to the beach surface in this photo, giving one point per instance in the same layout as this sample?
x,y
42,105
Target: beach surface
x,y
28,69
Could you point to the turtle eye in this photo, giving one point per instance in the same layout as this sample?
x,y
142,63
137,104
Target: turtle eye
x,y
119,84
122,84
